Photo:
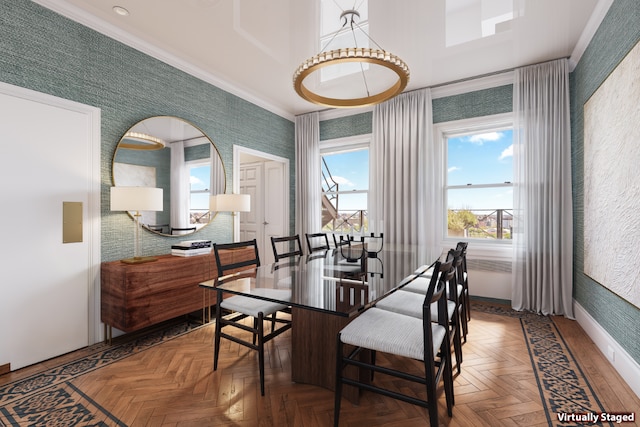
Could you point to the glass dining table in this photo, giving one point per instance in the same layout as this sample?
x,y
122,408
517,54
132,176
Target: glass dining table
x,y
325,291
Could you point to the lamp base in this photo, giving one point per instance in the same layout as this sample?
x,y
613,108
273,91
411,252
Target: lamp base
x,y
139,260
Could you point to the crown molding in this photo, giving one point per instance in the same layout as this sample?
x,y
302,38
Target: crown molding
x,y
599,12
78,15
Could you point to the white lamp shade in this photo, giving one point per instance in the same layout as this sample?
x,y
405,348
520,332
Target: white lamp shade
x,y
230,203
136,199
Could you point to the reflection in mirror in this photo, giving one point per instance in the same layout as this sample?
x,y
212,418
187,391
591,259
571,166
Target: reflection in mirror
x,y
172,154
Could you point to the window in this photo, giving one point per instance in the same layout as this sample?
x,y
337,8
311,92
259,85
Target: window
x,y
345,185
199,180
478,190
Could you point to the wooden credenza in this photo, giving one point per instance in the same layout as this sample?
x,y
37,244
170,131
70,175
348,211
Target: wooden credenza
x,y
134,296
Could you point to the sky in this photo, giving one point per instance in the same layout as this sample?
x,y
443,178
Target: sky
x,y
483,158
351,171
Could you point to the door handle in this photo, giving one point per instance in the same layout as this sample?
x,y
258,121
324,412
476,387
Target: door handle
x,y
265,223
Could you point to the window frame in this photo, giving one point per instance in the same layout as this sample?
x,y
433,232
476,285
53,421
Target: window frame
x,y
347,144
484,249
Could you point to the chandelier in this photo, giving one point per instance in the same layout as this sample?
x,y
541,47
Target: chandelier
x,y
363,56
141,141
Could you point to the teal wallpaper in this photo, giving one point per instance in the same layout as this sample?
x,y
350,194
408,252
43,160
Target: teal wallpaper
x,y
618,33
479,103
357,124
46,52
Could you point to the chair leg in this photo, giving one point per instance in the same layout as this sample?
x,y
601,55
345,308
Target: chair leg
x,y
261,351
216,345
255,328
457,340
338,392
463,318
432,400
273,321
448,378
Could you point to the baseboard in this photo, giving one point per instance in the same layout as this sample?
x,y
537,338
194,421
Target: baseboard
x,y
628,368
5,369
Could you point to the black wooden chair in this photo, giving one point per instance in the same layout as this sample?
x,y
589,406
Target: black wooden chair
x,y
380,330
182,230
317,241
341,239
242,307
410,303
464,280
287,242
454,292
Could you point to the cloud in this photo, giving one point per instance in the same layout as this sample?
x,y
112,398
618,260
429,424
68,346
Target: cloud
x,y
343,181
481,138
194,180
453,169
508,152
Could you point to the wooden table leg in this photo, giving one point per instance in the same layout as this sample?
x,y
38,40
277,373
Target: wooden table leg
x,y
313,347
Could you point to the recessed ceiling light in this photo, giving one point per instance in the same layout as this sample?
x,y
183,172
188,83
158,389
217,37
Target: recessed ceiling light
x,y
120,10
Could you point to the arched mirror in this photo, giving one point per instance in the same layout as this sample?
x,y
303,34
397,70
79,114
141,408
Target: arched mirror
x,y
172,154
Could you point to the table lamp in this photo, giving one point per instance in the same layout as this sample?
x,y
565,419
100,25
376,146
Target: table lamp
x,y
136,199
230,203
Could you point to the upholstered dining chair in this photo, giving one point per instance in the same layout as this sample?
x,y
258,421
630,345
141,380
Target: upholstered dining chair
x,y
410,304
385,331
341,239
454,293
317,241
242,307
463,278
288,241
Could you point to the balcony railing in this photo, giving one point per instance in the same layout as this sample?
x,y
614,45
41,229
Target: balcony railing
x,y
494,224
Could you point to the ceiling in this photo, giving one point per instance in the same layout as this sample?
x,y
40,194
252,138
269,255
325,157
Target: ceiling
x,y
252,47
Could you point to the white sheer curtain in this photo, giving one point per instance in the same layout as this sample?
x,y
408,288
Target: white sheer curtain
x,y
543,214
404,170
308,184
179,187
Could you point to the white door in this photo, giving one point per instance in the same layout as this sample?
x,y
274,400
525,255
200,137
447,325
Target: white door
x,y
266,183
251,222
274,204
48,287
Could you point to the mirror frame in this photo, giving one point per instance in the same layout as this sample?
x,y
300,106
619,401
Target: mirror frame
x,y
153,146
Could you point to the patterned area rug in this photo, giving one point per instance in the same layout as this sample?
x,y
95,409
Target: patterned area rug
x,y
563,387
49,399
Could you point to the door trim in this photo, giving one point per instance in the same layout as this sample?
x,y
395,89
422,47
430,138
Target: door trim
x,y
237,150
93,209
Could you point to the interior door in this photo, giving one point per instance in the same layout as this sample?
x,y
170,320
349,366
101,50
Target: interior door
x,y
47,296
266,183
251,226
274,204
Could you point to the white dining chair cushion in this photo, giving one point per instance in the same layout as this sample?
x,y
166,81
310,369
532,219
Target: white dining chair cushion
x,y
250,306
407,279
425,273
390,332
421,284
410,304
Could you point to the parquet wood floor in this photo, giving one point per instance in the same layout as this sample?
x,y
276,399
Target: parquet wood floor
x,y
173,384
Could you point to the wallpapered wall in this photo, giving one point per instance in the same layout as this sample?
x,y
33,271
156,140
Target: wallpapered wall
x,y
46,52
618,33
480,103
